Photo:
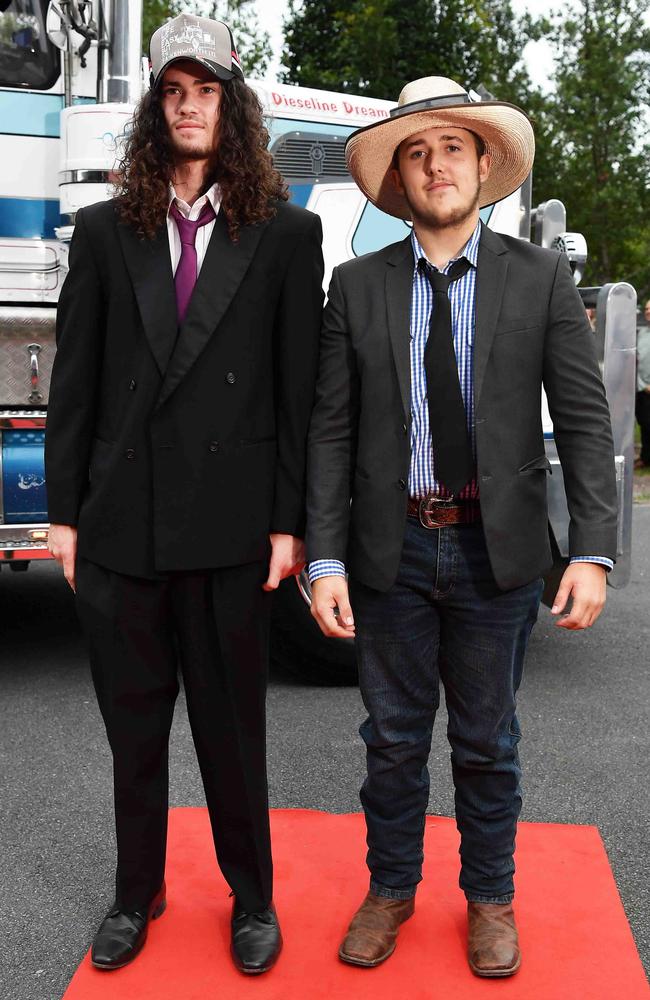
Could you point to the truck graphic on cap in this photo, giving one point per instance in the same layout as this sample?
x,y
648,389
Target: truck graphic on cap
x,y
190,34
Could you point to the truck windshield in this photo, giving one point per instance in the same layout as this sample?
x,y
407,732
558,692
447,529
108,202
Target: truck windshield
x,y
27,59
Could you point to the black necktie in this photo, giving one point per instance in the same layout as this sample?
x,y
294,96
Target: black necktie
x,y
452,448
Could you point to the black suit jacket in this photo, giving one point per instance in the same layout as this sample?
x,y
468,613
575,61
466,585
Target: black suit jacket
x,y
175,453
531,329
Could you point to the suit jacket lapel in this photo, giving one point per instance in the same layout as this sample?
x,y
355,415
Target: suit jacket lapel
x,y
492,268
222,271
399,289
149,265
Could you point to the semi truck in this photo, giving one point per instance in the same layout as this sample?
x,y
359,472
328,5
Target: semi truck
x,y
71,72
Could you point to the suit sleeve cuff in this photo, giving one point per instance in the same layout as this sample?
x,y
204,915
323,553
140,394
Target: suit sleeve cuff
x,y
325,567
599,560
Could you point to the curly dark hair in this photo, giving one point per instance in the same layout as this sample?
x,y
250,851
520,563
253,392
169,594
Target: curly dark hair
x,y
241,164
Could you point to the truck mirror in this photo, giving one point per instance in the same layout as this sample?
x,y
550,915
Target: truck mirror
x,y
56,27
549,221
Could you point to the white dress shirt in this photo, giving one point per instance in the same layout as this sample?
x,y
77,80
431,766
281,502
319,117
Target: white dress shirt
x,y
192,212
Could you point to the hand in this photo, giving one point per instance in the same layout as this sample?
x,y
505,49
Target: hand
x,y
287,558
586,583
62,543
330,606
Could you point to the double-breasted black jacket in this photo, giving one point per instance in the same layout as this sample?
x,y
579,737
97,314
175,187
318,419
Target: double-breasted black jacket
x,y
178,450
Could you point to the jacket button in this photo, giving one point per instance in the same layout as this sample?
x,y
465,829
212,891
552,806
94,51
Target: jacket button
x,y
129,453
132,384
214,446
405,428
231,378
401,483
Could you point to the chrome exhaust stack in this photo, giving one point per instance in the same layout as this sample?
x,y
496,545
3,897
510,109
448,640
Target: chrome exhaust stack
x,y
92,134
122,83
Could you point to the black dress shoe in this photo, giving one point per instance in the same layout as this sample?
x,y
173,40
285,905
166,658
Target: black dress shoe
x,y
121,936
256,939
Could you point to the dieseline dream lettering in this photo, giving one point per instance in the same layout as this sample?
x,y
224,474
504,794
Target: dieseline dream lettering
x,y
364,109
309,103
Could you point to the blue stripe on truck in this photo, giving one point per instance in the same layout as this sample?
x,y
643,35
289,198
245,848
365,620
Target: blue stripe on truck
x,y
29,217
31,113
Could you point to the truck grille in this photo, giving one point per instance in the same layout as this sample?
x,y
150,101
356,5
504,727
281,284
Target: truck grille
x,y
310,156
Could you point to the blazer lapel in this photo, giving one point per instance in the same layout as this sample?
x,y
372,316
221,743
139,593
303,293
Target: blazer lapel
x,y
222,271
399,289
149,266
491,271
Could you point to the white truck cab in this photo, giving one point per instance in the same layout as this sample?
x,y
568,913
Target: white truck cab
x,y
70,75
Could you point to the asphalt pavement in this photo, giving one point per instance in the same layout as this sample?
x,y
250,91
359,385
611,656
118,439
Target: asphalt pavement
x,y
584,709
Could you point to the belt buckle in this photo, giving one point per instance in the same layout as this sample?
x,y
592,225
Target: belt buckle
x,y
427,508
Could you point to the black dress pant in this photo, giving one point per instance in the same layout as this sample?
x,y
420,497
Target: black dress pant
x,y
215,624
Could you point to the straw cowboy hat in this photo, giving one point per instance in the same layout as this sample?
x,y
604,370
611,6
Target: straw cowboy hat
x,y
432,102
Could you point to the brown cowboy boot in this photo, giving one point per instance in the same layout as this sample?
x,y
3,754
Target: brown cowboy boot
x,y
372,935
492,943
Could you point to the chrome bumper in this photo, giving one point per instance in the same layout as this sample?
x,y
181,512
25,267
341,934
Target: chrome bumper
x,y
23,541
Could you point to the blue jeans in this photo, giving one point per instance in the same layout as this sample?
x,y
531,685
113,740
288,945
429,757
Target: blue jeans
x,y
443,619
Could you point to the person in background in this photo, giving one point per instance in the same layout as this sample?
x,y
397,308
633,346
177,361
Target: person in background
x,y
642,409
591,316
187,335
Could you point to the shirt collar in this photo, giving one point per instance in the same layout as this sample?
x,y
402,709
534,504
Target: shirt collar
x,y
470,250
213,195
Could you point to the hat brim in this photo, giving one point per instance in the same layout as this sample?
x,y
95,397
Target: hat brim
x,y
219,72
505,130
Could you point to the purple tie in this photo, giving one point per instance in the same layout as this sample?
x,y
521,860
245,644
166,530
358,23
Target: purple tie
x,y
185,277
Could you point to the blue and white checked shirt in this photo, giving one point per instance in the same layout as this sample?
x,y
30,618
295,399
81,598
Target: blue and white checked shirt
x,y
462,297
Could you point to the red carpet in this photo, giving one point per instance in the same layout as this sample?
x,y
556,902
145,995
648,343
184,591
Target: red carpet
x,y
575,939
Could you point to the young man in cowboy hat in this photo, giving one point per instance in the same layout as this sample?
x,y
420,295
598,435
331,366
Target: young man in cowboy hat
x,y
427,481
176,449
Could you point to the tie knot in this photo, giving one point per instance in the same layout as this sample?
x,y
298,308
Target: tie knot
x,y
187,227
440,282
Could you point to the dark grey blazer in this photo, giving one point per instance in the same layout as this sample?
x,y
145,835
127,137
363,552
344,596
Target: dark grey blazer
x,y
531,330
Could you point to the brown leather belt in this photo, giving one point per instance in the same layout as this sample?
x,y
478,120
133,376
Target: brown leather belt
x,y
437,512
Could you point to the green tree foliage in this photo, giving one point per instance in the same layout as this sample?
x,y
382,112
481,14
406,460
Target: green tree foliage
x,y
593,151
253,45
374,47
155,13
591,127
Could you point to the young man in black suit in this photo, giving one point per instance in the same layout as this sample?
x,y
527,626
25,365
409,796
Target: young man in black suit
x,y
181,393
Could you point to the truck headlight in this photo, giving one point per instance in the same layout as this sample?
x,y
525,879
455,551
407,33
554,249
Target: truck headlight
x,y
574,245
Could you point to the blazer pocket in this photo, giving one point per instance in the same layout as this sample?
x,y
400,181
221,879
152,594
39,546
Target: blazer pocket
x,y
100,451
519,324
540,464
250,442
